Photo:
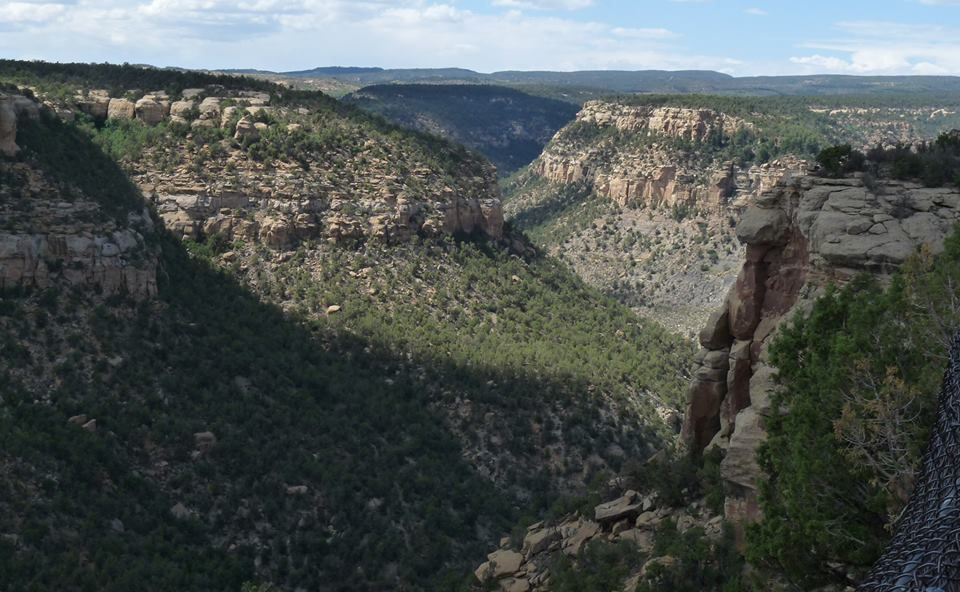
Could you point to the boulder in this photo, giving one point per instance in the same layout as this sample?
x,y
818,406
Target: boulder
x,y
247,131
740,466
515,585
504,562
539,541
149,111
718,359
210,109
96,104
763,226
642,538
204,442
647,520
576,535
121,109
628,506
716,333
277,232
182,109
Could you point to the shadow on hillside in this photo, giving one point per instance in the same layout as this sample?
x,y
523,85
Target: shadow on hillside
x,y
331,470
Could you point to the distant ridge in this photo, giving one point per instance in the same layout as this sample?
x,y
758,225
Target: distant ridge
x,y
647,81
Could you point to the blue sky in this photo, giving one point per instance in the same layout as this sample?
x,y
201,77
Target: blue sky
x,y
758,37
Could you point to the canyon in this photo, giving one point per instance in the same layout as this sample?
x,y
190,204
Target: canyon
x,y
311,346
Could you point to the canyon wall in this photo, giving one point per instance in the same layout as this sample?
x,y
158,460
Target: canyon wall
x,y
343,196
800,236
52,235
648,169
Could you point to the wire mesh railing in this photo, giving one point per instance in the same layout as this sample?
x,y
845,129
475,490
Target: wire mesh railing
x,y
924,555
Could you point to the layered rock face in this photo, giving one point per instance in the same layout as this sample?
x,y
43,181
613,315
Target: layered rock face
x,y
799,236
50,237
694,125
664,244
649,172
156,107
340,197
282,210
107,258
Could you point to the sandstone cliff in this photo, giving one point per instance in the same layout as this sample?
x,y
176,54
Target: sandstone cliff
x,y
653,226
800,236
644,164
267,176
56,234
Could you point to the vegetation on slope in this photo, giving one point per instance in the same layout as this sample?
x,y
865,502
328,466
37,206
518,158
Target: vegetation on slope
x,y
860,376
63,79
507,126
800,126
351,406
935,164
386,444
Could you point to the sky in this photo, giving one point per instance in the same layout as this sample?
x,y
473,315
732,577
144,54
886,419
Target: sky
x,y
738,37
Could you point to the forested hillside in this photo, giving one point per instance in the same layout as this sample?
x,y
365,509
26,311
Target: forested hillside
x,y
509,127
640,194
860,375
355,387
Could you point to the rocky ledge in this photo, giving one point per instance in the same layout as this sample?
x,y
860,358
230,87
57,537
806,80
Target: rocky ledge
x,y
349,194
694,125
54,236
642,166
522,566
283,218
799,237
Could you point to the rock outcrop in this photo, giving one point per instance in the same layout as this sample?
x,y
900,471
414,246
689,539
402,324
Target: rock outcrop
x,y
799,237
648,172
13,107
50,238
121,109
343,197
667,247
693,125
152,110
631,517
282,220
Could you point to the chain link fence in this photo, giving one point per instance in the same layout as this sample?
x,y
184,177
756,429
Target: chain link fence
x,y
924,555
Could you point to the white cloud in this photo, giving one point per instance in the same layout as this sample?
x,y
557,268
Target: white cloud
x,y
545,4
885,48
26,12
300,34
756,11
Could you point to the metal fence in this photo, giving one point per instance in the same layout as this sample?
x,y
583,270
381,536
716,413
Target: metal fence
x,y
924,555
